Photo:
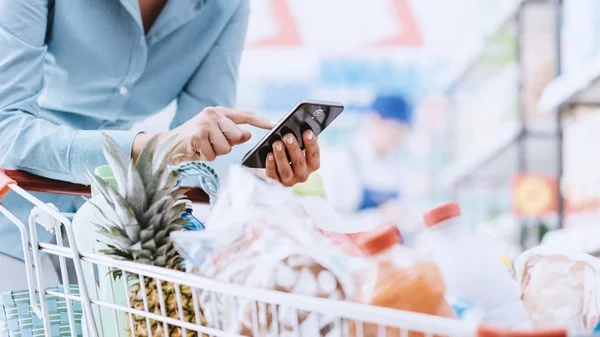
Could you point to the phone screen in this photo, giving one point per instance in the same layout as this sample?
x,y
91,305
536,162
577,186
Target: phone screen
x,y
309,115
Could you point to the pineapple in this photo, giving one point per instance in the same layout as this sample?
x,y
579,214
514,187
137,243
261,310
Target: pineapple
x,y
148,207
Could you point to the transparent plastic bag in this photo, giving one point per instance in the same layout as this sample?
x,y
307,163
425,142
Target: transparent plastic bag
x,y
560,288
260,235
399,278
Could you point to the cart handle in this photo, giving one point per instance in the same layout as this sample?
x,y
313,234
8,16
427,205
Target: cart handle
x,y
4,182
488,331
33,183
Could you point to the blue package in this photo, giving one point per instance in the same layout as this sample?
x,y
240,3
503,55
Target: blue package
x,y
465,311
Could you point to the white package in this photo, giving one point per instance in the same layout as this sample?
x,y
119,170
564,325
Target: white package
x,y
560,288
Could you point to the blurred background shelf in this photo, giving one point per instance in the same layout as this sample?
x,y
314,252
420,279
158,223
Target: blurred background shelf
x,y
501,157
471,61
498,135
577,87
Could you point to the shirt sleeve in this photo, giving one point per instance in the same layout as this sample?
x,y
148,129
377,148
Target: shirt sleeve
x,y
214,82
30,143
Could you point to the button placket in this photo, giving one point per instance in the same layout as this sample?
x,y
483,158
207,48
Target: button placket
x,y
136,66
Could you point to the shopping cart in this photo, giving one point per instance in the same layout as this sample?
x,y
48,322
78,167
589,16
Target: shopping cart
x,y
86,312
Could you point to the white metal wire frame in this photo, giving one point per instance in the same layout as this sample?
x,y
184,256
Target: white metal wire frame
x,y
342,318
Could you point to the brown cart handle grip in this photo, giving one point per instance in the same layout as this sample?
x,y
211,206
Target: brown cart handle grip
x,y
4,182
487,331
33,183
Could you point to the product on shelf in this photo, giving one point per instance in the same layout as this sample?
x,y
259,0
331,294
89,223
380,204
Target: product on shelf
x,y
471,272
399,279
538,60
579,33
560,288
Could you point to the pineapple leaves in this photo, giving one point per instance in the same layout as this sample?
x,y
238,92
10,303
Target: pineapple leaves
x,y
135,192
144,161
133,231
156,207
155,220
164,153
162,250
137,218
179,194
101,185
144,261
113,198
105,221
147,234
118,240
118,161
149,245
160,261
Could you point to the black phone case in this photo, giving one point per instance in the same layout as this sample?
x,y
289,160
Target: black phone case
x,y
306,115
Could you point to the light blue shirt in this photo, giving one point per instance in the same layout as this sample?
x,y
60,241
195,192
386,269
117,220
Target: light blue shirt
x,y
100,71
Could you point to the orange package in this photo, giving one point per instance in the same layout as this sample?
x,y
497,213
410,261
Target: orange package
x,y
401,281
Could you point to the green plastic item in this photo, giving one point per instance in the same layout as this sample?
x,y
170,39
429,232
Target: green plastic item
x,y
106,173
86,237
311,187
17,319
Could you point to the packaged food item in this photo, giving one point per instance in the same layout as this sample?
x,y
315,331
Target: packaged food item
x,y
471,273
465,311
311,195
560,288
508,265
345,241
399,279
259,235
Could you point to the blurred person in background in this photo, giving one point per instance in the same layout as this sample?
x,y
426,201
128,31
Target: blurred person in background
x,y
362,181
71,69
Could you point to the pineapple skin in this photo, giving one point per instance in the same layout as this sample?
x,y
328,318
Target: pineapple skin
x,y
171,309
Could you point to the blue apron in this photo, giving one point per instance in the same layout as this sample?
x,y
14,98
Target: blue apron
x,y
371,198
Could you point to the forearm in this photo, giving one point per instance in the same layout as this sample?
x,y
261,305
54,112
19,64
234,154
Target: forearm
x,y
55,151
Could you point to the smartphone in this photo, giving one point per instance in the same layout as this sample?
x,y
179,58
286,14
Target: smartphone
x,y
306,115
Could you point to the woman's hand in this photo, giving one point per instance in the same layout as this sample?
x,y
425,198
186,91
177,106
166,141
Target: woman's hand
x,y
211,133
303,162
214,131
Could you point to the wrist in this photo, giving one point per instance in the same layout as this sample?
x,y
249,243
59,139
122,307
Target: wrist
x,y
139,142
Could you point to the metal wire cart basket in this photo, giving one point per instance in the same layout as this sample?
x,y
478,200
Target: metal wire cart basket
x,y
81,308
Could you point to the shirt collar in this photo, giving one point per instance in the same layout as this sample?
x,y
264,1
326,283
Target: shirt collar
x,y
174,15
133,7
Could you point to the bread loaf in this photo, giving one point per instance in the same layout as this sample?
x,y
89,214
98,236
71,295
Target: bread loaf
x,y
296,274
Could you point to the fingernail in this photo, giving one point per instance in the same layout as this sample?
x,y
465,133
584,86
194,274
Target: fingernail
x,y
273,123
289,139
310,135
278,147
270,157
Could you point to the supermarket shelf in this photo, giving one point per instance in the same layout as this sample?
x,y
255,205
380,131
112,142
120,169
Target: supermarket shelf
x,y
581,86
468,63
463,167
499,157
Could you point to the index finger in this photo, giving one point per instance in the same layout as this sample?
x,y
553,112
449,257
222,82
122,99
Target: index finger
x,y
248,117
